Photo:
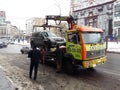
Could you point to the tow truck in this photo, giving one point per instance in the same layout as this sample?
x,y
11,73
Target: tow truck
x,y
85,46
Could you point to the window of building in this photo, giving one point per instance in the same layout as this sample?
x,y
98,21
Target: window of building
x,y
91,20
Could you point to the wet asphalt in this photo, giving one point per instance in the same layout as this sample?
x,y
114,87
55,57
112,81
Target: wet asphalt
x,y
5,82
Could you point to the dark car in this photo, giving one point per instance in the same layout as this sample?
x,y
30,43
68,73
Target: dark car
x,y
1,44
4,44
46,38
25,49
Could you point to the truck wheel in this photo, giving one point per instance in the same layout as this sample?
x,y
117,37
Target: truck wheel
x,y
69,68
91,69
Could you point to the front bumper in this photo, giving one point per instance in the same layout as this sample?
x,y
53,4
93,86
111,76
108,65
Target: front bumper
x,y
92,63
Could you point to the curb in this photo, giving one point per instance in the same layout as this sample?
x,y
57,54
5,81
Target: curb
x,y
113,52
22,44
6,81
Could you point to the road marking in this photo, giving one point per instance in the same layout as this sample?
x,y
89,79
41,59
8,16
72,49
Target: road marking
x,y
112,73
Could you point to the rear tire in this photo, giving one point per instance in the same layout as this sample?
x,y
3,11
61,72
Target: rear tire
x,y
91,68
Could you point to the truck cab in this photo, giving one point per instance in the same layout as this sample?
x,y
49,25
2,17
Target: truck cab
x,y
86,45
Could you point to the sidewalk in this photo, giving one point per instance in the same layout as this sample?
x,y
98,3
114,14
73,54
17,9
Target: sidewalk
x,y
113,47
5,83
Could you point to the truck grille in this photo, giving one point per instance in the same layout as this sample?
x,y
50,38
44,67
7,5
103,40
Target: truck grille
x,y
92,54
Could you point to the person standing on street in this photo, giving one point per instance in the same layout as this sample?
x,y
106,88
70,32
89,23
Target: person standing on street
x,y
59,55
43,54
35,57
43,58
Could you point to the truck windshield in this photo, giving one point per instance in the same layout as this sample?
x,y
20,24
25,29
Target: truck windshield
x,y
92,37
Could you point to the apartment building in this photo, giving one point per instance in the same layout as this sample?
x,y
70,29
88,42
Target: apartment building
x,y
96,13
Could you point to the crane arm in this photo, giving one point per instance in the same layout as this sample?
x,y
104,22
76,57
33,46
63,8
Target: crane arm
x,y
70,20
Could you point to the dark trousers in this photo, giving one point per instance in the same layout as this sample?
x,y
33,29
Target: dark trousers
x,y
33,65
59,64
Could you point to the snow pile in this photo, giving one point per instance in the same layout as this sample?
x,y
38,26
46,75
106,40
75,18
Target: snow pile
x,y
18,76
113,46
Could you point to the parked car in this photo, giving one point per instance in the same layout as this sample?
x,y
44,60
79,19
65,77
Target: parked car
x,y
46,38
11,42
25,49
1,44
4,44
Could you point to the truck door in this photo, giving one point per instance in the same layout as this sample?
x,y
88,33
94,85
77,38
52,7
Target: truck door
x,y
73,45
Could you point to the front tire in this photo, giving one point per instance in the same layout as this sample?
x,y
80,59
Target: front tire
x,y
91,69
69,68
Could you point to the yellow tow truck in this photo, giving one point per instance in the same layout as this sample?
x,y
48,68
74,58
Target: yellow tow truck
x,y
85,45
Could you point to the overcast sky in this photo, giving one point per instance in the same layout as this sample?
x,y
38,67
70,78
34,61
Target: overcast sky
x,y
17,11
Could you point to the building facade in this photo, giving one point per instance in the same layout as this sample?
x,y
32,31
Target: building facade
x,y
96,13
116,19
2,17
6,29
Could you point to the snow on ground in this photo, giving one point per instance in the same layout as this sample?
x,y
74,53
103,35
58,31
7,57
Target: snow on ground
x,y
17,69
25,43
17,76
113,46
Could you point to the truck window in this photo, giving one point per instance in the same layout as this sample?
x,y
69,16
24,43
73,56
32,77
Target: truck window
x,y
74,37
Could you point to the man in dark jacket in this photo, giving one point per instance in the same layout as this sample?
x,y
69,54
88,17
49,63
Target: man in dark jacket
x,y
59,55
35,56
